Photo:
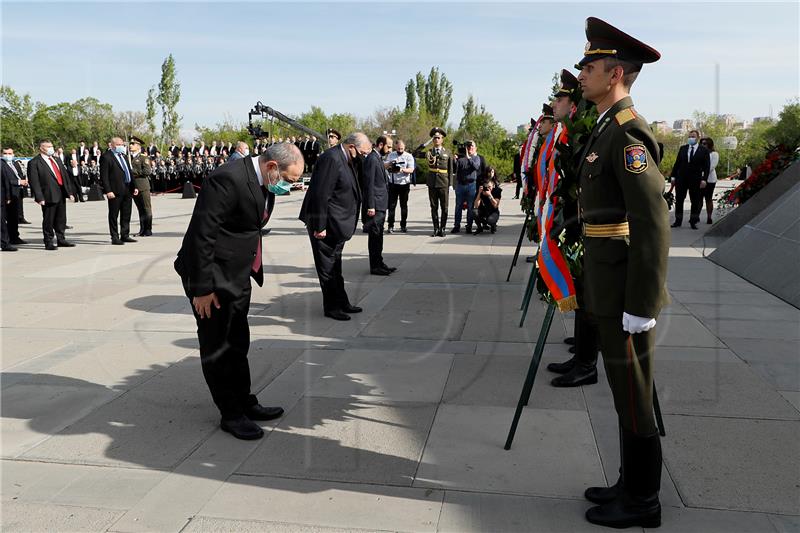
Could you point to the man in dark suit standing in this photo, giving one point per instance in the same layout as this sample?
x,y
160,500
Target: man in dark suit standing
x,y
51,186
117,183
13,181
689,173
330,211
374,186
221,251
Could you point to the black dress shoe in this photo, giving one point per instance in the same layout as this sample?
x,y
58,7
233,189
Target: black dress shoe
x,y
530,259
676,225
66,244
579,375
352,309
403,230
259,412
266,231
379,272
50,246
390,230
9,248
148,233
570,341
337,315
693,225
435,232
18,241
571,349
117,242
562,368
709,221
390,269
440,233
128,239
68,227
455,229
625,512
23,221
242,428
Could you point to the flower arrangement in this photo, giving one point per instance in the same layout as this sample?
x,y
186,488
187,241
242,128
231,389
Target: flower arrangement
x,y
776,161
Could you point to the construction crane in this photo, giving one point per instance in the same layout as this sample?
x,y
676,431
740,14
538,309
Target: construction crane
x,y
263,111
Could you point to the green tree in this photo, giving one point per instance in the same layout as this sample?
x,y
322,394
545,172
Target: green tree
x,y
169,93
434,95
150,113
411,96
787,130
16,113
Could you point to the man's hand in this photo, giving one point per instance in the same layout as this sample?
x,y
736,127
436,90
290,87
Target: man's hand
x,y
23,183
111,195
136,192
320,234
702,184
71,197
370,212
41,203
202,304
637,324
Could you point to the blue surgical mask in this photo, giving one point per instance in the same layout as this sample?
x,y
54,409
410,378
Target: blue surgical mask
x,y
8,158
692,141
119,149
279,189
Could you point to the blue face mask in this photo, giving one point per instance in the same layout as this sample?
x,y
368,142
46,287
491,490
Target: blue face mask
x,y
279,189
119,149
692,141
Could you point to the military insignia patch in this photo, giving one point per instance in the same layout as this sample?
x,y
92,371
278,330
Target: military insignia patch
x,y
635,158
591,158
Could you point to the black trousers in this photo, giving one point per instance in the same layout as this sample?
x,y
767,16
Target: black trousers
x,y
12,216
4,237
586,344
328,262
224,342
21,204
398,192
438,196
119,216
54,220
695,200
374,226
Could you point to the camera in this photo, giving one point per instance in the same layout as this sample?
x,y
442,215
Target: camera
x,y
460,148
396,166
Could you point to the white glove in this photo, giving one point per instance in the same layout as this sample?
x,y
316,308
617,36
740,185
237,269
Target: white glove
x,y
637,324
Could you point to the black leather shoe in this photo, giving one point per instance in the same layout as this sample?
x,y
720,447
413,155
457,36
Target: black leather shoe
x,y
676,225
440,233
266,231
625,512
50,246
403,230
455,229
530,259
570,341
23,221
603,495
571,349
66,244
259,412
579,375
390,269
148,233
390,230
693,225
562,368
128,239
337,315
68,227
709,221
117,242
352,309
18,241
379,272
435,232
242,428
469,229
9,248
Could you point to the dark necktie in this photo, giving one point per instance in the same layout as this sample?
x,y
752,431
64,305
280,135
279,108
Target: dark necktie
x,y
691,153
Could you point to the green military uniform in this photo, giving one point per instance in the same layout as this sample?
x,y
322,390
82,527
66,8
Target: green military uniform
x,y
626,230
439,180
140,172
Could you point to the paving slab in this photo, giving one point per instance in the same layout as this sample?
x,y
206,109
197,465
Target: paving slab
x,y
712,458
346,440
684,520
203,524
465,452
318,503
29,517
417,325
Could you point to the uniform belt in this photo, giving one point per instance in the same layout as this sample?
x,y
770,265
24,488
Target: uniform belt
x,y
606,230
439,170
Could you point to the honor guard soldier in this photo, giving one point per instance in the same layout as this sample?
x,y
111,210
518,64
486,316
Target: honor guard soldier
x,y
333,137
626,229
140,172
440,179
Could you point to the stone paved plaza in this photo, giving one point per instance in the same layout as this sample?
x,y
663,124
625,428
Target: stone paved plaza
x,y
395,421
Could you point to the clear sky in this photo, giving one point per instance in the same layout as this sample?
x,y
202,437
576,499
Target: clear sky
x,y
356,57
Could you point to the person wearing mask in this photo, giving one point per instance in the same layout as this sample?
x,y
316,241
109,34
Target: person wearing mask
x,y
467,168
690,169
242,150
330,211
13,180
50,184
401,170
220,253
117,183
75,176
374,187
140,172
439,179
486,205
707,187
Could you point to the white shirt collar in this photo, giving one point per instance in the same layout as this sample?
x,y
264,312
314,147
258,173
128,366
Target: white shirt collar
x,y
602,115
256,166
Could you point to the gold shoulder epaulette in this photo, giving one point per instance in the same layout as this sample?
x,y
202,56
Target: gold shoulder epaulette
x,y
626,115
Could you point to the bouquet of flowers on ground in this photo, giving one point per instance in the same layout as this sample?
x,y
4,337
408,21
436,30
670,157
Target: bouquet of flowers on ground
x,y
778,159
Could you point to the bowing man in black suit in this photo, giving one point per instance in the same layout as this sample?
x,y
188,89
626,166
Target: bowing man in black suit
x,y
330,212
374,186
689,173
221,251
51,186
117,183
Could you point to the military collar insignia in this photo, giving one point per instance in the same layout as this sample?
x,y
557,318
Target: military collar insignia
x,y
591,158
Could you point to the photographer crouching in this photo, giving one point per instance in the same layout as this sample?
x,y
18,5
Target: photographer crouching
x,y
486,208
401,169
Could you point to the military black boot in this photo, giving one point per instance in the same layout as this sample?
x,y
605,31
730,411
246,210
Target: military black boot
x,y
584,368
580,374
601,495
637,503
562,368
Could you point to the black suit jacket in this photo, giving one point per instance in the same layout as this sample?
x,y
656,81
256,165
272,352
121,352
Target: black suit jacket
x,y
112,177
43,182
10,181
333,196
694,171
374,184
222,239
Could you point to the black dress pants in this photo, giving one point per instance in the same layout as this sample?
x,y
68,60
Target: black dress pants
x,y
119,216
374,226
224,342
54,221
328,262
11,211
695,201
398,192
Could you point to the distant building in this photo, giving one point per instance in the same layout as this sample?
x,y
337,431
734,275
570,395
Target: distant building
x,y
730,121
661,126
683,126
523,128
756,120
